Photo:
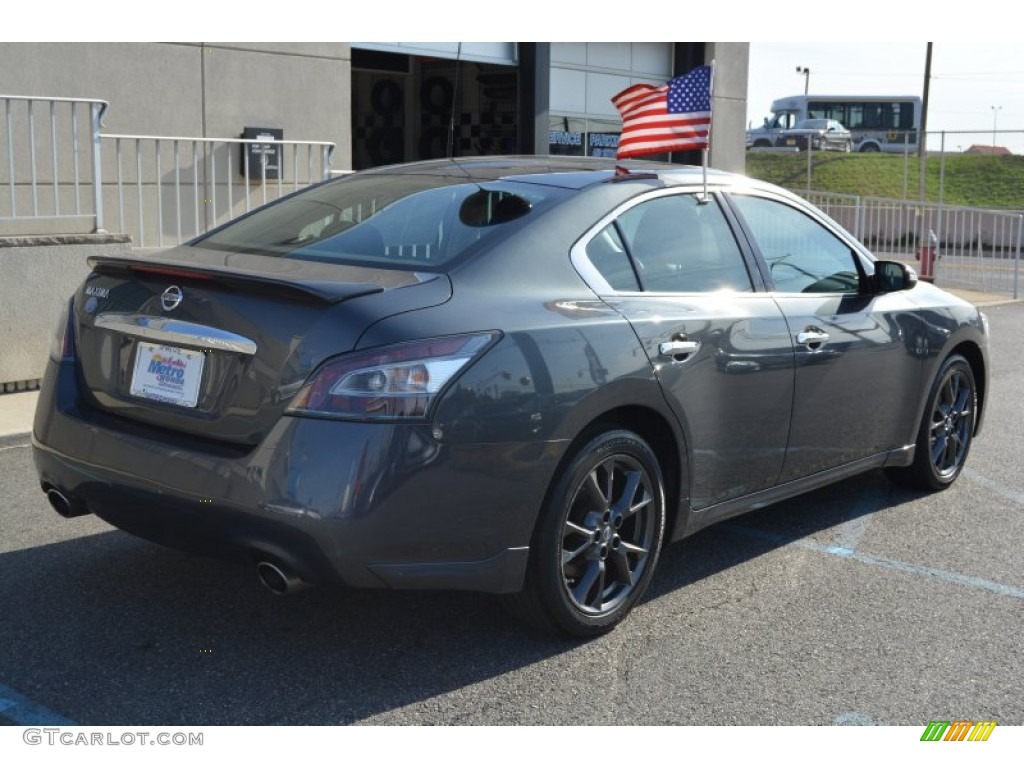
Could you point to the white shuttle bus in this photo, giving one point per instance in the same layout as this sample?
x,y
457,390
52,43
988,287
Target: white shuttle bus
x,y
877,123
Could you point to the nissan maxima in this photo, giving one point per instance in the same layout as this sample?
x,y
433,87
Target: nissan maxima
x,y
521,376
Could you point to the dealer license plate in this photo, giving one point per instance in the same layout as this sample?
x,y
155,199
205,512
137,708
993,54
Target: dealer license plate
x,y
167,374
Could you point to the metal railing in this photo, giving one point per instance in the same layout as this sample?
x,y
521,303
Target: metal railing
x,y
971,248
162,190
170,189
43,139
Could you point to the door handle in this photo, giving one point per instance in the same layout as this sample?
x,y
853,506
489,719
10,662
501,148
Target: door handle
x,y
812,337
678,349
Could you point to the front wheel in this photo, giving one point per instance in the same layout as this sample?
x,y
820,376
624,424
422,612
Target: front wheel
x,y
597,539
947,427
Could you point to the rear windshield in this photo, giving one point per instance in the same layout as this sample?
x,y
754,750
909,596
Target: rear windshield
x,y
416,221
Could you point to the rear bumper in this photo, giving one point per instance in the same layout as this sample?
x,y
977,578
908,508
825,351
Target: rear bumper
x,y
367,505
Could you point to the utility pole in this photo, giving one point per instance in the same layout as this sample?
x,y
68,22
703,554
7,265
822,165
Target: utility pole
x,y
995,119
924,240
922,139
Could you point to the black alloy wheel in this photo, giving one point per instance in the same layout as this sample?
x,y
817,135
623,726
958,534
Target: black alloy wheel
x,y
947,428
598,538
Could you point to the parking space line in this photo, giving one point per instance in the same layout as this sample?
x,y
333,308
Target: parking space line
x,y
950,577
995,486
856,718
12,447
853,530
19,710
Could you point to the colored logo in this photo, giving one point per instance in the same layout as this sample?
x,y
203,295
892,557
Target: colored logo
x,y
958,730
168,370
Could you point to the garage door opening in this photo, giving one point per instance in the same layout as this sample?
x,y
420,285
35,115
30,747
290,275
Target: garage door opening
x,y
403,108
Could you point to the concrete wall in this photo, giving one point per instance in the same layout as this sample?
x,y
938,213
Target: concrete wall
x,y
166,89
37,276
728,148
196,89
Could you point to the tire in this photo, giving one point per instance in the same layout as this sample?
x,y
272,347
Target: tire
x,y
436,95
947,428
597,539
433,143
386,146
386,98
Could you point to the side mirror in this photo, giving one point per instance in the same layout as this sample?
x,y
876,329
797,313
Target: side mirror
x,y
893,276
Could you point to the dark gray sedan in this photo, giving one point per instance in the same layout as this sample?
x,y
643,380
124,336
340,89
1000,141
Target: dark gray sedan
x,y
515,375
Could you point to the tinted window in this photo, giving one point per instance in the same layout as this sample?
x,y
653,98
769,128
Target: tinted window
x,y
608,255
803,256
382,220
681,246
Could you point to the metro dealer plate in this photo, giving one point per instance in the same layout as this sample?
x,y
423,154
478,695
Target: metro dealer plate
x,y
167,374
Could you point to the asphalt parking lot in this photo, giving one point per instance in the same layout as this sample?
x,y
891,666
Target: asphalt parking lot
x,y
857,604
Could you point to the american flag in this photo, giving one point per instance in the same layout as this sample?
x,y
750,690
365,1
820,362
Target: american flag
x,y
675,116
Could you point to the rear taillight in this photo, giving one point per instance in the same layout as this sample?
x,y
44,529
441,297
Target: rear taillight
x,y
396,382
61,345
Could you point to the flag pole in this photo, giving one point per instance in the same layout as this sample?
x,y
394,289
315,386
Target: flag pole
x,y
704,167
704,151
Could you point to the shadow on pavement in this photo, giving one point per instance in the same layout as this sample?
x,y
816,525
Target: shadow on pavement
x,y
109,629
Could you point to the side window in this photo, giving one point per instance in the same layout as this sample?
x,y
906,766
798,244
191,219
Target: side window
x,y
608,255
680,246
803,256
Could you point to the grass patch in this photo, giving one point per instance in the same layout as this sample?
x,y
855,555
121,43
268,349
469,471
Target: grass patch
x,y
971,180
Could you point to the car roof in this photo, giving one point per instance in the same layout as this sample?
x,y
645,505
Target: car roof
x,y
553,170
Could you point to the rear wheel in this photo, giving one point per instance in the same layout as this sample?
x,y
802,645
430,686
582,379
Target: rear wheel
x,y
947,427
597,539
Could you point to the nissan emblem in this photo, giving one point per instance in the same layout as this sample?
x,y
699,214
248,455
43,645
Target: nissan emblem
x,y
171,298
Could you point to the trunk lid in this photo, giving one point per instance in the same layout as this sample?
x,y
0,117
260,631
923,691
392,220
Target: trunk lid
x,y
215,344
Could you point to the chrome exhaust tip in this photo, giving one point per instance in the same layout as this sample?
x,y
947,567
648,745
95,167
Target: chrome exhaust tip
x,y
278,579
64,506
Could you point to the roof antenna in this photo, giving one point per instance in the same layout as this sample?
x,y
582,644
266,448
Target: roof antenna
x,y
455,95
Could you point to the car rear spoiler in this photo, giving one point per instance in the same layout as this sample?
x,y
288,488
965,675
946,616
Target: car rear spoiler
x,y
295,287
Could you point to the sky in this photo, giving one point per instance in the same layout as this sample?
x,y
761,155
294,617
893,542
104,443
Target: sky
x,y
968,79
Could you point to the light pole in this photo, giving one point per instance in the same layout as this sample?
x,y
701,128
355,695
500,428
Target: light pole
x,y
995,120
806,72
